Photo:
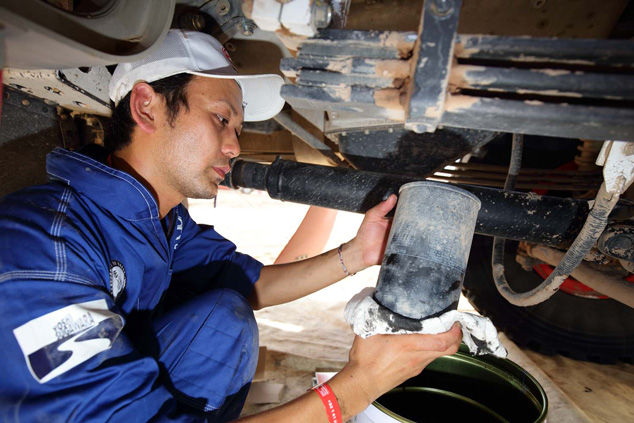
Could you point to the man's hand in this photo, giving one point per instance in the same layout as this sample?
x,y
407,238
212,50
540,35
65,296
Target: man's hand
x,y
376,365
278,283
382,362
369,245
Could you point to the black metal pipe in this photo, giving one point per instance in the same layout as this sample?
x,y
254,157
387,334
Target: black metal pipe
x,y
539,219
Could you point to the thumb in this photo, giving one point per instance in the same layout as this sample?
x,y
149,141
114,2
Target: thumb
x,y
380,210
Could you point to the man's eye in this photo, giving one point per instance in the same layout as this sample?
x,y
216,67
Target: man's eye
x,y
222,120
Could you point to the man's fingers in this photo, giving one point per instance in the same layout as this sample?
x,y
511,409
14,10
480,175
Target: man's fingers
x,y
456,338
452,337
380,210
441,342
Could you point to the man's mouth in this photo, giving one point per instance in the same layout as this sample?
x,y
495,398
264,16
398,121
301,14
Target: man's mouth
x,y
222,171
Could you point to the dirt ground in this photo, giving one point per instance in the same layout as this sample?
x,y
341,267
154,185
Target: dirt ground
x,y
311,334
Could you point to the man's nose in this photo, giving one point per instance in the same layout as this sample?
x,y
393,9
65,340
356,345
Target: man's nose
x,y
231,146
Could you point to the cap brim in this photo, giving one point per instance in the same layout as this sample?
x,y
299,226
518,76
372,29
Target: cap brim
x,y
260,93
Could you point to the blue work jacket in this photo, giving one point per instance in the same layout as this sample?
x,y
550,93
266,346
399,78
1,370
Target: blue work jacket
x,y
79,258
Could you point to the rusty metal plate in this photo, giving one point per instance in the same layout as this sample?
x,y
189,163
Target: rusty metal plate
x,y
79,90
537,18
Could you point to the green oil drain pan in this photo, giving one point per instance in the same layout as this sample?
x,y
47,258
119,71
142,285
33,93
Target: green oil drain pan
x,y
463,388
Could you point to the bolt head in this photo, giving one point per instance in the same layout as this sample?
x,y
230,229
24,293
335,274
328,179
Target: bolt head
x,y
321,15
246,28
223,7
198,22
442,8
621,243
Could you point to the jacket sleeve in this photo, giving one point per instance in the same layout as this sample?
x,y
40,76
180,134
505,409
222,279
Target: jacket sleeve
x,y
65,358
205,260
64,354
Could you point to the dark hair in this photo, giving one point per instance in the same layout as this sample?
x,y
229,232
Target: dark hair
x,y
173,89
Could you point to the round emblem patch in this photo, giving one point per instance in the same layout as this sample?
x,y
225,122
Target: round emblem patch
x,y
117,278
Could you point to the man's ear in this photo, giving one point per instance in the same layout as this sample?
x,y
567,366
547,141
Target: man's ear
x,y
144,107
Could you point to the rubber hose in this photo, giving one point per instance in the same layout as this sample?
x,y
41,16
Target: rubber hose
x,y
497,255
593,227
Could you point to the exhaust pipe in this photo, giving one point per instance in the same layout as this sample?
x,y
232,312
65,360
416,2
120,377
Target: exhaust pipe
x,y
528,217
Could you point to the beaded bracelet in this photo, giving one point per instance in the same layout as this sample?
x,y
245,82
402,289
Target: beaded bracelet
x,y
343,266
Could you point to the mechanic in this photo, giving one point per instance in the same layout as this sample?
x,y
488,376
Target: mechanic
x,y
116,306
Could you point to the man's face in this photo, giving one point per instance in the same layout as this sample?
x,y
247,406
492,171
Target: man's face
x,y
194,154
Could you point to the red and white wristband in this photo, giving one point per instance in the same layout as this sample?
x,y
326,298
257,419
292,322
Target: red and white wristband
x,y
329,400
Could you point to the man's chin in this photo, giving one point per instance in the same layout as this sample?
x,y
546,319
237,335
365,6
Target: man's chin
x,y
205,194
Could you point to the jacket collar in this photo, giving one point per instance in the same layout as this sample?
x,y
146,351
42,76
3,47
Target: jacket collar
x,y
109,188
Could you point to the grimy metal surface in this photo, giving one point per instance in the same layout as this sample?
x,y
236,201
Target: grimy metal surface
x,y
610,53
528,179
40,36
30,130
427,250
367,70
559,82
296,129
539,219
398,151
570,88
432,61
618,241
539,117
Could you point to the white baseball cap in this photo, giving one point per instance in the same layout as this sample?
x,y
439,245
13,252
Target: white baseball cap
x,y
201,54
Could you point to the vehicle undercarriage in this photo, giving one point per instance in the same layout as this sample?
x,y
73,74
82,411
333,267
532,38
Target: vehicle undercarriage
x,y
527,104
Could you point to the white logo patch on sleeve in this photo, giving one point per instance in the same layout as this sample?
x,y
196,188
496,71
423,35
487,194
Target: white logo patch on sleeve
x,y
118,279
60,340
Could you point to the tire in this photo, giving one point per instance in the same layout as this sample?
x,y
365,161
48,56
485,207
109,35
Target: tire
x,y
583,329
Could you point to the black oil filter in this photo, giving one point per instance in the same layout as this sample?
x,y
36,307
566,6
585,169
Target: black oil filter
x,y
427,251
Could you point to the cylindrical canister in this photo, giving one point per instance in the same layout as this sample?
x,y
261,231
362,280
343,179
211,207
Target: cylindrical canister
x,y
427,251
461,388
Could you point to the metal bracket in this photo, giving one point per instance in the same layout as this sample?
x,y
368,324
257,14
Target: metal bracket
x,y
433,54
68,129
82,90
617,159
570,88
300,17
